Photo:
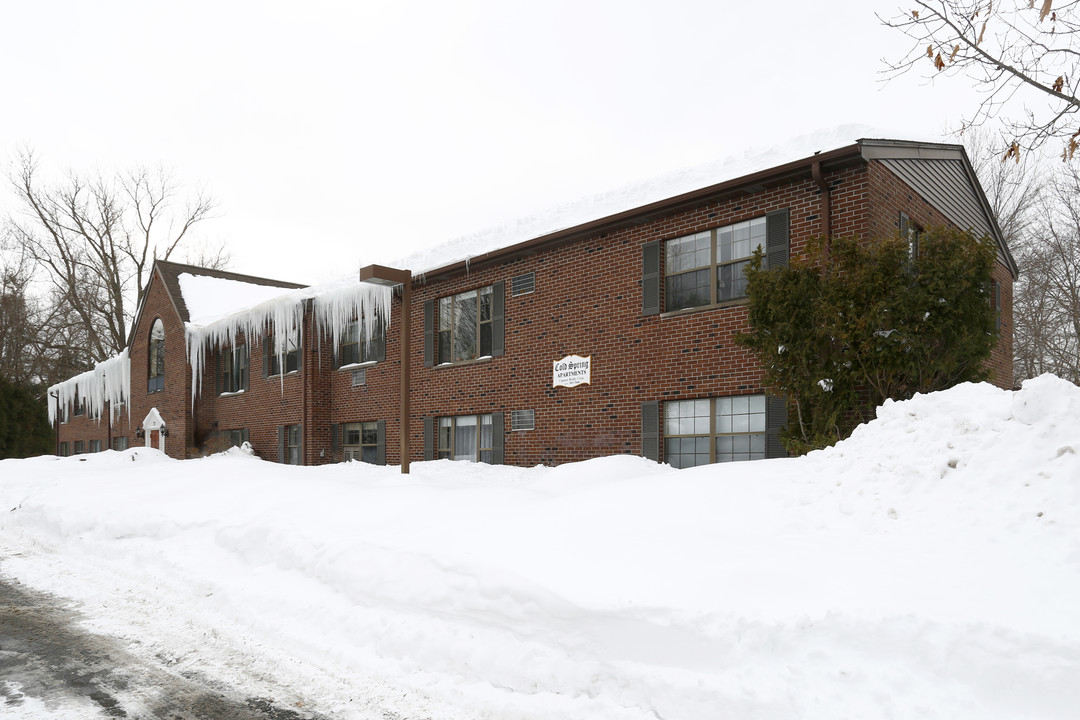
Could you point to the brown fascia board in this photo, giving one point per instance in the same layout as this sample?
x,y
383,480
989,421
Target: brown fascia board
x,y
754,182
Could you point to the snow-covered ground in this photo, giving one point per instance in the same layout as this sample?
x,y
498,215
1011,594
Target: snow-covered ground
x,y
929,567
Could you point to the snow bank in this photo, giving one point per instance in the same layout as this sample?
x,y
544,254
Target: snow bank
x,y
928,567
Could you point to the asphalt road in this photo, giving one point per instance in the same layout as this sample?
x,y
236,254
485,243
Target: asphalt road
x,y
46,656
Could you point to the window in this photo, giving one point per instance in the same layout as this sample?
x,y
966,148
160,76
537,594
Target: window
x,y
120,443
356,347
465,325
466,437
290,353
912,232
236,437
95,446
709,267
234,369
156,360
80,447
79,406
64,451
289,444
995,303
698,432
360,441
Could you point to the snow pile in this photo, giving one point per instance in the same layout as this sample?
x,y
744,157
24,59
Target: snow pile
x,y
929,567
223,312
109,382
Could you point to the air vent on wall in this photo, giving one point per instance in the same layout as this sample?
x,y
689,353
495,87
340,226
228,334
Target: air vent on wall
x,y
522,420
523,284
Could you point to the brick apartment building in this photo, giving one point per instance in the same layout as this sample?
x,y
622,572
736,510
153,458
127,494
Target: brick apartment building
x,y
614,335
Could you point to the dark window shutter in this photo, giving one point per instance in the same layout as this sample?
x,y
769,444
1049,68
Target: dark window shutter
x,y
380,433
498,437
266,355
650,278
429,438
244,437
335,443
775,419
429,333
650,430
300,351
498,331
281,443
219,370
777,225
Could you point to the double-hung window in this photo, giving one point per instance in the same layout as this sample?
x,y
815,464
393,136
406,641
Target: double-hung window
x,y
360,441
120,443
466,326
284,359
709,267
466,437
356,347
234,369
290,442
711,430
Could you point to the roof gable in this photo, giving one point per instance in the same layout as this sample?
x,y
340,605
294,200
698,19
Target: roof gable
x,y
944,177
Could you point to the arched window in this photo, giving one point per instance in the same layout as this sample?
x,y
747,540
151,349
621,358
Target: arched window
x,y
156,375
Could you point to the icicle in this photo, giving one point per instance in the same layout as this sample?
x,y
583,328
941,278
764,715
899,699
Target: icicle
x,y
334,307
109,381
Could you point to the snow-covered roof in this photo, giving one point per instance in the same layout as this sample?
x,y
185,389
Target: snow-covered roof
x,y
638,194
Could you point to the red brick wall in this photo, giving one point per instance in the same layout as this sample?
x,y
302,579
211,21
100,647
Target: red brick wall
x,y
587,302
890,196
174,401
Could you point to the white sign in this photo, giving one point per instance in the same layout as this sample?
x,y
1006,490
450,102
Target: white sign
x,y
571,371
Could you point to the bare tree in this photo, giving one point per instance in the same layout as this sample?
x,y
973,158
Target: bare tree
x,y
1021,53
1046,304
95,239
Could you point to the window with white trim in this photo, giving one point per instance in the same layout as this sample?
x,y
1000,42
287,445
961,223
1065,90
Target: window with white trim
x,y
712,430
155,381
709,267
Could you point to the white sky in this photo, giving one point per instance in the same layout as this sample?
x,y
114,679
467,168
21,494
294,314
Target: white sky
x,y
334,134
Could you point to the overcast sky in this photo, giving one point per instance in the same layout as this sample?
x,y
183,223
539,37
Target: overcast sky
x,y
334,133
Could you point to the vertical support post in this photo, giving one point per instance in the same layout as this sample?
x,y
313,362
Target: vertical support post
x,y
406,361
391,276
